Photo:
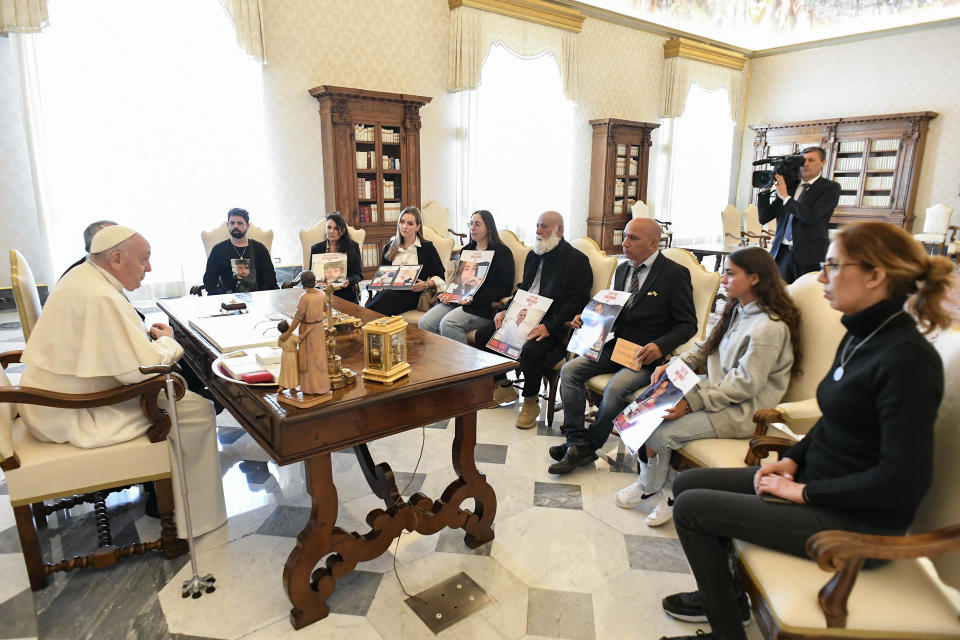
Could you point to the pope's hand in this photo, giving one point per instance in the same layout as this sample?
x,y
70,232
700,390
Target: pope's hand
x,y
159,330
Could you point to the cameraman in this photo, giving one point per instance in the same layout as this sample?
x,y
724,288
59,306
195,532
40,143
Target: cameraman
x,y
802,213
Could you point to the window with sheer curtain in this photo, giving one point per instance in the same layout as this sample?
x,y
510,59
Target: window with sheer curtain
x,y
516,142
148,114
693,163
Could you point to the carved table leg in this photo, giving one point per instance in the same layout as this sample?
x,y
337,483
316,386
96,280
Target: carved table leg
x,y
308,597
478,524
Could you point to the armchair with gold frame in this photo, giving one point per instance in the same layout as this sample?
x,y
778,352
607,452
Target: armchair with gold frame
x,y
38,471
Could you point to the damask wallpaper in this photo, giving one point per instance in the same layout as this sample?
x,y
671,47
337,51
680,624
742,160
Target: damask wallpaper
x,y
900,73
18,210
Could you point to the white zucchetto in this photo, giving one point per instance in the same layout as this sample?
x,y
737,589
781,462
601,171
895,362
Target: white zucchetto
x,y
109,237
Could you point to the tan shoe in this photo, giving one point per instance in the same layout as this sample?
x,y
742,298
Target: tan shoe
x,y
529,413
504,393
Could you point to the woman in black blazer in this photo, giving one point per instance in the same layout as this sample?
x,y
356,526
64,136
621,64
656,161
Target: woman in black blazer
x,y
338,241
409,247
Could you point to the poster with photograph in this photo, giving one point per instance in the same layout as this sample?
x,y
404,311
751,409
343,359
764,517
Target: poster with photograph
x,y
384,277
597,318
246,277
641,417
471,271
406,276
522,316
329,267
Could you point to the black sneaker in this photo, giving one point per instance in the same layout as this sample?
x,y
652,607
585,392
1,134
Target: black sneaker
x,y
689,608
701,635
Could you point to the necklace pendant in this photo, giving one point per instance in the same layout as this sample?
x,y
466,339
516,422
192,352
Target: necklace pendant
x,y
838,374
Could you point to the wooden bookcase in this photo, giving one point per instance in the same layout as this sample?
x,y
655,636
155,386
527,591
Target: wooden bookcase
x,y
876,160
620,163
371,160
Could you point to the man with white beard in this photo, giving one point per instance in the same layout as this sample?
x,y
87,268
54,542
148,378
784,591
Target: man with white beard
x,y
88,339
556,270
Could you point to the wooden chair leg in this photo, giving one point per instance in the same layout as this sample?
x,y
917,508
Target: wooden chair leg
x,y
39,514
172,545
30,546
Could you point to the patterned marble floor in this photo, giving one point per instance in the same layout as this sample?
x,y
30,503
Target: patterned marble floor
x,y
566,562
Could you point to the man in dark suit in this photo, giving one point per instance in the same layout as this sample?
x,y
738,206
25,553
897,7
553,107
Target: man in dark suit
x,y
659,317
556,270
802,219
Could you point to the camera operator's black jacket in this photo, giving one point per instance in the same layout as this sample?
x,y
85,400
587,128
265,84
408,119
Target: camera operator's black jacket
x,y
810,219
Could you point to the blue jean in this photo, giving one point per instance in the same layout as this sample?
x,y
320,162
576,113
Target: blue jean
x,y
667,438
573,380
451,321
714,506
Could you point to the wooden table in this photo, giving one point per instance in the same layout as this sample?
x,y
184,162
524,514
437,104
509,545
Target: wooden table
x,y
718,249
447,379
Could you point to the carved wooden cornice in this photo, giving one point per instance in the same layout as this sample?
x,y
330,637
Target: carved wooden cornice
x,y
693,50
539,11
916,116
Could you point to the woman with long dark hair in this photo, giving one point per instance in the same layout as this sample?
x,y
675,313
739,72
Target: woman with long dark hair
x,y
408,247
338,241
748,357
867,463
455,320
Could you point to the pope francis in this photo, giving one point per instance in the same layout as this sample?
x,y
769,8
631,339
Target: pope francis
x,y
89,338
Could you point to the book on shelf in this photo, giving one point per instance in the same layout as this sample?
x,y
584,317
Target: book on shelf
x,y
849,164
618,206
851,146
634,151
370,255
621,167
882,163
891,144
847,201
391,211
366,159
848,183
618,188
634,166
366,189
618,236
876,201
388,189
878,183
632,189
368,213
391,163
390,136
364,133
621,149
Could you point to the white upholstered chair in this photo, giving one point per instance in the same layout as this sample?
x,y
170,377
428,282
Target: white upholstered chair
x,y
820,335
902,599
437,216
705,285
36,471
732,226
24,292
318,233
753,230
221,233
640,209
953,243
936,223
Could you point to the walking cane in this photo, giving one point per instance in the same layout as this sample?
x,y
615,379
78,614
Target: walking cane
x,y
196,586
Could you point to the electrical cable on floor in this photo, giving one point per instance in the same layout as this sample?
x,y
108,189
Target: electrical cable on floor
x,y
396,549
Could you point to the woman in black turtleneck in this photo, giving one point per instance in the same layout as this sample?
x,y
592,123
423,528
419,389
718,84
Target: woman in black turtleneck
x,y
866,465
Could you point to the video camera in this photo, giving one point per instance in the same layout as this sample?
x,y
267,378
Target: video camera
x,y
787,166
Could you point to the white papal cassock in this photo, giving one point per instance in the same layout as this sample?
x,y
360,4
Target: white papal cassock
x,y
89,338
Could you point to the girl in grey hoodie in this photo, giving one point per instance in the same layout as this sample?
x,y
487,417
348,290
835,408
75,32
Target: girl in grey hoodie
x,y
749,357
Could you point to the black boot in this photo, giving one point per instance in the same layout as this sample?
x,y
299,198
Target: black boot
x,y
578,454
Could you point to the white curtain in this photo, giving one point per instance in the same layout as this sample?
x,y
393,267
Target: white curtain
x,y
473,32
247,18
693,166
124,126
23,16
516,143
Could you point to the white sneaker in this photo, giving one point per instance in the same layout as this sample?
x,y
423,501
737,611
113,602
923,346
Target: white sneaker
x,y
632,496
662,510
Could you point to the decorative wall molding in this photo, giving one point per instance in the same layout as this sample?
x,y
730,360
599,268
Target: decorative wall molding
x,y
693,50
539,11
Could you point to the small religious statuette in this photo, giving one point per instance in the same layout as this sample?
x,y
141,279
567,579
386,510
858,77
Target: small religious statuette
x,y
312,352
289,374
385,350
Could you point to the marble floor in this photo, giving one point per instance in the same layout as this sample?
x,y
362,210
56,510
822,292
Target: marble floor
x,y
566,561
